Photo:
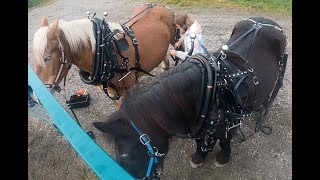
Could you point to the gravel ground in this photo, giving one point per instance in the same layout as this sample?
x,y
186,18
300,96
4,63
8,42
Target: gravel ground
x,y
260,157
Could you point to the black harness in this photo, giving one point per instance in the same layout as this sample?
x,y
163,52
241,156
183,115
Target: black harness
x,y
105,64
234,89
222,107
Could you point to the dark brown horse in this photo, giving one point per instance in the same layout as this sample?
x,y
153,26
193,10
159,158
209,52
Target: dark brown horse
x,y
108,54
205,98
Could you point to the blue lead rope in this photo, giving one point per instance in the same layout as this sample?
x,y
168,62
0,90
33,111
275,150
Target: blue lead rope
x,y
145,140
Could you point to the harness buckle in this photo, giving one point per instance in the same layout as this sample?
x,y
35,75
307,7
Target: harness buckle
x,y
60,47
134,41
223,83
234,125
144,139
62,60
255,80
259,25
223,55
56,87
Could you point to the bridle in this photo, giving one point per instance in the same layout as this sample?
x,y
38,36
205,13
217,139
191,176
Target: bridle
x,y
153,154
63,63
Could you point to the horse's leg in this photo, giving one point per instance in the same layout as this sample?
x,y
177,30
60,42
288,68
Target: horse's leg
x,y
223,157
198,157
117,103
165,64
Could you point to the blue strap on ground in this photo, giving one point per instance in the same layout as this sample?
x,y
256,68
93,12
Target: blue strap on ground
x,y
98,160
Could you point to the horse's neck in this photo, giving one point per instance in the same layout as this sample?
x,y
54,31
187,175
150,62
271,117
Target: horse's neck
x,y
82,60
187,110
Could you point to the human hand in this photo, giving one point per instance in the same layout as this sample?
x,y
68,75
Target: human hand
x,y
173,52
177,44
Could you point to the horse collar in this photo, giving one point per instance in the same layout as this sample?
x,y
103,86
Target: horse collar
x,y
105,63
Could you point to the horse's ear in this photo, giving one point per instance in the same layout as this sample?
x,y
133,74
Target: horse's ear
x,y
53,29
44,21
115,127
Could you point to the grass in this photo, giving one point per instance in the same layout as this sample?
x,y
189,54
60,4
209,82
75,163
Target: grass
x,y
37,3
275,6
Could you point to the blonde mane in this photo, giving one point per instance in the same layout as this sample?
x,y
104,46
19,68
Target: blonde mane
x,y
40,44
78,33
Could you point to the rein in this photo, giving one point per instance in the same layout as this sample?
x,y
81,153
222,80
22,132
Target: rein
x,y
150,5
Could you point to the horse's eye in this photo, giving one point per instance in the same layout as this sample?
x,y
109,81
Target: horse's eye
x,y
47,58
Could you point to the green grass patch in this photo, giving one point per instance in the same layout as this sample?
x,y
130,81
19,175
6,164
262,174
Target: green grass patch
x,y
38,3
274,6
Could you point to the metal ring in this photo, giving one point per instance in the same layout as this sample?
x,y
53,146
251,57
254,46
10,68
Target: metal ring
x,y
223,56
255,80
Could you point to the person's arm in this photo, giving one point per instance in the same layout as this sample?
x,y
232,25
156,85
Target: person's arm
x,y
179,42
182,38
197,44
181,55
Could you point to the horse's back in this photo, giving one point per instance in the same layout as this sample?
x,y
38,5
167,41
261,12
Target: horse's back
x,y
265,38
154,30
158,13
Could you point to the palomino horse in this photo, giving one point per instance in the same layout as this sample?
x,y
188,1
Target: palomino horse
x,y
108,54
206,98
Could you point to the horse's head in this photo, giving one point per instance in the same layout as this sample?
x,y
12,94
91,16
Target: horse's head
x,y
131,153
51,64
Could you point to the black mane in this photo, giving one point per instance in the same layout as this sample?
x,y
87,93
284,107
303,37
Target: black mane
x,y
167,101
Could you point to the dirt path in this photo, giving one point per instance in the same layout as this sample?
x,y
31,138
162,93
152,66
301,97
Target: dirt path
x,y
260,157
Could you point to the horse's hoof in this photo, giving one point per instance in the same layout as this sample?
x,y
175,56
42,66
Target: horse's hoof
x,y
193,165
222,159
217,164
164,69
